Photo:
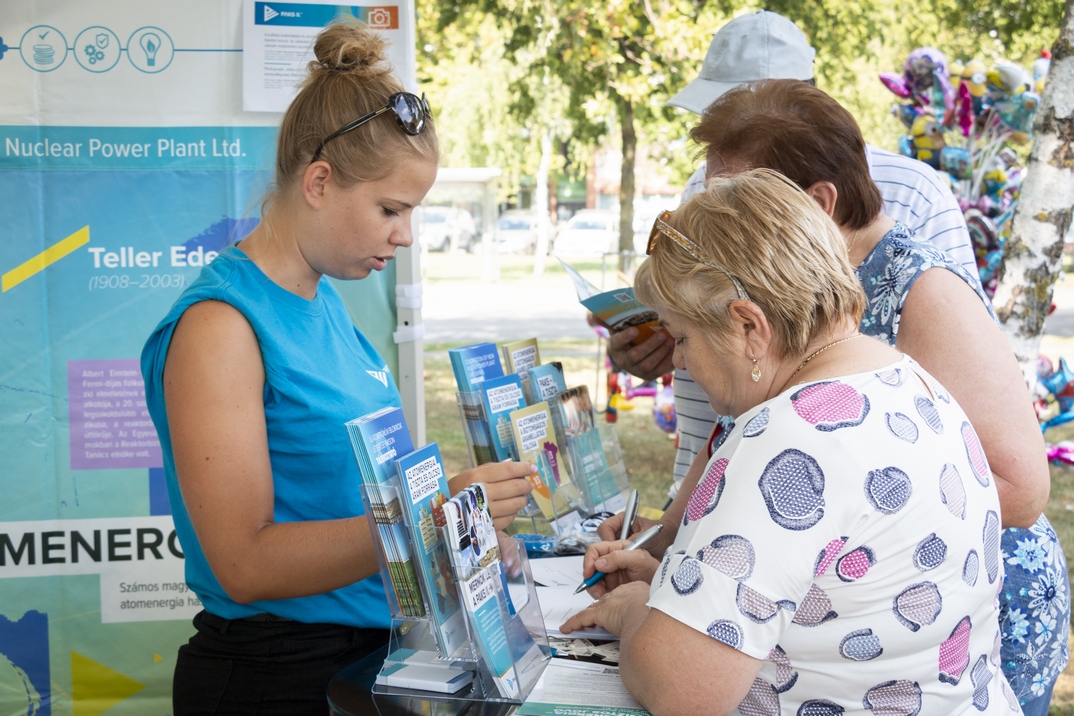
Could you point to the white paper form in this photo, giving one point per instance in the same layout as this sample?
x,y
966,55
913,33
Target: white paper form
x,y
558,604
277,44
557,571
574,683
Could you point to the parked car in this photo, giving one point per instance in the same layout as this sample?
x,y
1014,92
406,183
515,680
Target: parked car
x,y
590,232
438,226
516,231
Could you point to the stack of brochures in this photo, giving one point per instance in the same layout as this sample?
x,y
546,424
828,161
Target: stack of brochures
x,y
378,439
526,412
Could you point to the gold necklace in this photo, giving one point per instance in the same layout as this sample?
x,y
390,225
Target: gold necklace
x,y
816,353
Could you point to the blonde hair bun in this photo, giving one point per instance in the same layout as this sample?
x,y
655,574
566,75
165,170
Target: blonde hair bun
x,y
352,48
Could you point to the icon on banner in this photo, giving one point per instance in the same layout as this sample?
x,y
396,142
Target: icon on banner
x,y
270,13
97,49
380,18
150,49
150,44
43,48
3,48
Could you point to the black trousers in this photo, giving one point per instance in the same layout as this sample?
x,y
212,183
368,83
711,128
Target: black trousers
x,y
246,667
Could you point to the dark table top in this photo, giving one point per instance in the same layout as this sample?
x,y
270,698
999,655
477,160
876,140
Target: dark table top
x,y
350,694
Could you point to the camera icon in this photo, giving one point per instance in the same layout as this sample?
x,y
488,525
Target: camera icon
x,y
380,18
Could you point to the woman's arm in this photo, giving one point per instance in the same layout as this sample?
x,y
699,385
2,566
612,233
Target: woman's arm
x,y
667,666
213,385
945,328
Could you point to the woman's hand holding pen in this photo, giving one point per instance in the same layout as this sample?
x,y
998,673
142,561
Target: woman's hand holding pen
x,y
506,485
610,529
619,564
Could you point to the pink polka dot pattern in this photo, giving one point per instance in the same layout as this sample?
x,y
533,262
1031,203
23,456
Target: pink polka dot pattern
x,y
707,493
855,565
976,455
828,555
955,653
757,607
830,405
894,698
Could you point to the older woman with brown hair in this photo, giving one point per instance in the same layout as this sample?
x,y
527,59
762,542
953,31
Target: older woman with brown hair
x,y
842,548
926,306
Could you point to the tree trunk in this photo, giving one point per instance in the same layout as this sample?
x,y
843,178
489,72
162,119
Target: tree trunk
x,y
541,205
1034,250
626,187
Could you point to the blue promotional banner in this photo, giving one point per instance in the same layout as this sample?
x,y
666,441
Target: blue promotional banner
x,y
126,164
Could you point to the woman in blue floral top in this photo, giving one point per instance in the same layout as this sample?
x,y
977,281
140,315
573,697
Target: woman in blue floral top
x,y
940,318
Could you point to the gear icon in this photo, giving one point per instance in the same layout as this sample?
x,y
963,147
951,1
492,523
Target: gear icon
x,y
93,54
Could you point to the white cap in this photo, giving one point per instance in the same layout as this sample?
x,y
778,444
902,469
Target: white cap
x,y
762,45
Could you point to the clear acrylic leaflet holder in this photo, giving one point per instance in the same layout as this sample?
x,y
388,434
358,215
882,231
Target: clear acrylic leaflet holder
x,y
412,638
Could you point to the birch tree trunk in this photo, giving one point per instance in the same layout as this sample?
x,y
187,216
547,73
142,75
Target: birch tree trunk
x,y
1034,249
541,205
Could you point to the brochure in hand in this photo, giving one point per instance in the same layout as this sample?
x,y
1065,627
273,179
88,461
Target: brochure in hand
x,y
616,309
377,439
421,474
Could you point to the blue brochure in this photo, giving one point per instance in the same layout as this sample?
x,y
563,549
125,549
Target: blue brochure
x,y
501,396
474,365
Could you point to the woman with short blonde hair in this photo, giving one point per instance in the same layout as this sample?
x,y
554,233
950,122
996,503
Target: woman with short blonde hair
x,y
841,551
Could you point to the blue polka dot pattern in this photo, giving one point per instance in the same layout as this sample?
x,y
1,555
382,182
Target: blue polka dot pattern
x,y
902,427
792,485
980,676
971,567
888,489
756,425
820,707
727,632
687,577
927,410
990,536
860,645
891,377
894,698
952,491
918,605
930,553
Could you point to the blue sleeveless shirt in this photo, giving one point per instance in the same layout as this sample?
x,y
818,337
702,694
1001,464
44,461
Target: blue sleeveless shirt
x,y
320,372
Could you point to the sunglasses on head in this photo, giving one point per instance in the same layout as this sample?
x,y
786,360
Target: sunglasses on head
x,y
410,110
662,228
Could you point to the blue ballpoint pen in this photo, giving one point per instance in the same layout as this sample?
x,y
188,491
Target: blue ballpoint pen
x,y
636,544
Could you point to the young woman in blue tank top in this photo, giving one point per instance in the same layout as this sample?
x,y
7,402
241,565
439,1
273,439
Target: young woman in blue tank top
x,y
251,377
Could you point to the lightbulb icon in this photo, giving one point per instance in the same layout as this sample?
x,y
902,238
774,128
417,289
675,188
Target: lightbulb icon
x,y
150,44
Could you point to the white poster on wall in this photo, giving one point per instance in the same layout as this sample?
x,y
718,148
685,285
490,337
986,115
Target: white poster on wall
x,y
277,45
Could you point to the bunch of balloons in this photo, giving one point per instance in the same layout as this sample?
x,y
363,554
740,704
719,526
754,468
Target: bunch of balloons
x,y
962,118
1055,386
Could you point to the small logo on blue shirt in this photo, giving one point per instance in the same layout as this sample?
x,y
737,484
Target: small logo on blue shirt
x,y
381,375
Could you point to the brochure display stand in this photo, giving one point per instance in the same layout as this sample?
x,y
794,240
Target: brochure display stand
x,y
502,649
